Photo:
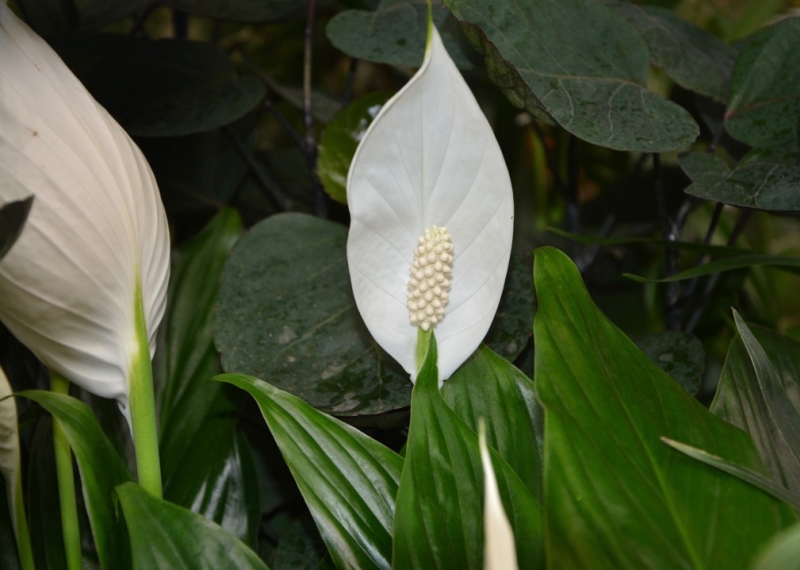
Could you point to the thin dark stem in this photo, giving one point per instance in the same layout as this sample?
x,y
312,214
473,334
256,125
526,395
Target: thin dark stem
x,y
285,125
138,24
320,200
671,255
280,202
347,93
712,227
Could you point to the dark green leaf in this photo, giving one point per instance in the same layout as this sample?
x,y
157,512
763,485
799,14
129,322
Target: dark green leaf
x,y
616,497
167,536
678,354
101,470
727,264
782,552
764,104
340,139
301,547
761,181
161,88
13,216
439,517
511,328
593,84
241,10
692,57
348,480
286,312
395,33
487,386
754,396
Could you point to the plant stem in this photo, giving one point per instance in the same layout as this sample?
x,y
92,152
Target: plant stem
x,y
66,484
23,536
671,256
423,342
320,200
143,408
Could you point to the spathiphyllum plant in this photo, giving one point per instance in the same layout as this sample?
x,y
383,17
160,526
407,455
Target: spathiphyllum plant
x,y
431,217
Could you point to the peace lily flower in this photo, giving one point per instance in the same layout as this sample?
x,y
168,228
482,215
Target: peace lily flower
x,y
84,286
499,551
432,217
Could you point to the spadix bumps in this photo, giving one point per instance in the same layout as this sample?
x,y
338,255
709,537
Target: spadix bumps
x,y
429,283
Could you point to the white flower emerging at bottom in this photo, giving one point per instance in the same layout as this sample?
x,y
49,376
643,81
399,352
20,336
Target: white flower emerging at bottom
x,y
429,283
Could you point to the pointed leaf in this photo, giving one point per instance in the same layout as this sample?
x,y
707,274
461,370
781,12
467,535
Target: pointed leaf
x,y
615,495
12,220
442,481
727,264
593,85
164,535
101,470
429,158
348,480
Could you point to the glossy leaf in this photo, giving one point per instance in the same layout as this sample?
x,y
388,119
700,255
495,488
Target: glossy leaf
x,y
689,55
348,480
727,264
161,88
442,481
616,496
760,181
754,396
163,535
395,32
490,388
339,141
286,312
12,221
680,355
781,553
100,468
593,85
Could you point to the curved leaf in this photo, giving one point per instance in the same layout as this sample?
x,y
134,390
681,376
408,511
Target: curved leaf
x,y
727,264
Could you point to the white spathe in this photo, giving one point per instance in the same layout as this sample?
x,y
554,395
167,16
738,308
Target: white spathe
x,y
429,158
9,444
97,229
499,551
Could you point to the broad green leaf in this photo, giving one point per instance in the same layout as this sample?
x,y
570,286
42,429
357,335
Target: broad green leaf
x,y
286,312
692,57
760,181
161,88
242,10
727,264
616,496
439,517
395,33
487,386
101,470
340,139
754,396
680,355
511,328
764,105
348,480
12,221
164,535
593,84
781,553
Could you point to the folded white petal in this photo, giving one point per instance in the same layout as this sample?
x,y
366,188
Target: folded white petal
x,y
9,443
499,551
97,226
429,158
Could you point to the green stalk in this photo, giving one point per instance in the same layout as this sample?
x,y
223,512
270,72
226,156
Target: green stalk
x,y
143,407
423,342
66,484
23,537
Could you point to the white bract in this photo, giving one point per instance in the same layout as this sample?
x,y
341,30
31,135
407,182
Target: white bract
x,y
9,444
97,233
429,162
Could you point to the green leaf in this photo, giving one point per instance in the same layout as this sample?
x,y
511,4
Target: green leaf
x,y
161,88
241,10
761,181
764,105
348,480
340,139
511,328
727,264
439,517
395,33
167,536
680,355
487,386
616,497
689,55
593,84
754,396
782,552
13,216
301,547
101,470
286,312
